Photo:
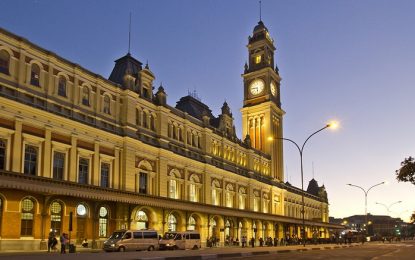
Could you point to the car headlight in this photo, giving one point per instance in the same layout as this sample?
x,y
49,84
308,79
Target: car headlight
x,y
112,245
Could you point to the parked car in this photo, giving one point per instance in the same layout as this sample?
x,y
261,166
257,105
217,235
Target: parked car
x,y
132,240
180,240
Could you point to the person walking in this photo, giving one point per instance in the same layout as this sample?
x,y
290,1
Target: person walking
x,y
276,241
63,241
261,242
243,240
253,242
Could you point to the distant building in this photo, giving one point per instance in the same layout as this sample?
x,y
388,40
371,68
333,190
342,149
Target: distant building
x,y
115,155
378,225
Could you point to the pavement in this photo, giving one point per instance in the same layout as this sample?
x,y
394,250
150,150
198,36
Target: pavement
x,y
204,253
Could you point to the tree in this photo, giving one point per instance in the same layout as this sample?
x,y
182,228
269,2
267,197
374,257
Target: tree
x,y
407,171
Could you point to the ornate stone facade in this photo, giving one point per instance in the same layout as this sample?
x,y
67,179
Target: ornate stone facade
x,y
114,155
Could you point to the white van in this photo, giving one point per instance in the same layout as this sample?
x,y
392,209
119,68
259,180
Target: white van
x,y
132,240
180,240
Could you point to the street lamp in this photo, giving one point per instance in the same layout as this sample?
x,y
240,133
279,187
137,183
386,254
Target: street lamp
x,y
390,205
333,125
388,209
366,192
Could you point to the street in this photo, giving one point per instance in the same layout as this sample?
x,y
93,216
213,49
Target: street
x,y
375,250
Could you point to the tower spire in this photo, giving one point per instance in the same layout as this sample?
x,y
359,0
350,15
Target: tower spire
x,y
129,35
260,11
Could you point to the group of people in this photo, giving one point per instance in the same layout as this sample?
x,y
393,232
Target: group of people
x,y
64,241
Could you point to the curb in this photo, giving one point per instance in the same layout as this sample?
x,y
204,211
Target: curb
x,y
246,254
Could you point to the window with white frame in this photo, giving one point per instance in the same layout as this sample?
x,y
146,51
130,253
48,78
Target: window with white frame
x,y
30,160
142,220
143,183
173,190
242,198
216,193
229,196
191,225
194,187
192,192
172,223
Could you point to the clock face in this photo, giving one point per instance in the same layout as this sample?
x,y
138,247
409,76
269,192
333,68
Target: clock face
x,y
273,88
256,87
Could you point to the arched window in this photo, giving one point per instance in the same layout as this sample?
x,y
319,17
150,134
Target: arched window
x,y
242,198
4,62
229,196
35,75
194,188
172,223
2,154
83,171
103,222
30,160
81,217
142,220
62,86
191,225
28,210
215,193
145,123
173,191
107,105
85,96
56,217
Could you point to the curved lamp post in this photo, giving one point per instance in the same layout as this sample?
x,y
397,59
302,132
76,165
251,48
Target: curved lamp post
x,y
300,150
388,209
366,192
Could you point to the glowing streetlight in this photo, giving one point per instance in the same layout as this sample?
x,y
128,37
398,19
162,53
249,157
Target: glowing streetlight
x,y
333,125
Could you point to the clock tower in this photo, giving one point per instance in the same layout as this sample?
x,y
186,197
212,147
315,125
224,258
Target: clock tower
x,y
261,113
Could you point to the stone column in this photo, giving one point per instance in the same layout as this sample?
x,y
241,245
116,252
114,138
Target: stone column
x,y
96,166
17,146
47,153
73,158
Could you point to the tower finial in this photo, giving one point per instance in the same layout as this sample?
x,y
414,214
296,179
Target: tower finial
x,y
129,35
260,13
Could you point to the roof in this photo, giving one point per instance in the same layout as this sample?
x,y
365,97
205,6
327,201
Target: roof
x,y
126,65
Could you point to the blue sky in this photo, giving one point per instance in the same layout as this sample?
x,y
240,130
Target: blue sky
x,y
349,60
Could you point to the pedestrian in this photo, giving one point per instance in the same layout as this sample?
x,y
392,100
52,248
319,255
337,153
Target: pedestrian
x,y
63,241
253,242
243,240
261,242
276,241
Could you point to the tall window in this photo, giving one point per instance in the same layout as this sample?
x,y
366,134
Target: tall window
x,y
256,203
191,225
242,198
2,154
83,171
81,214
58,165
229,196
142,220
56,217
30,160
103,222
107,105
105,173
152,123
142,188
62,86
215,193
35,75
85,96
28,210
172,223
145,124
192,192
137,117
173,192
4,62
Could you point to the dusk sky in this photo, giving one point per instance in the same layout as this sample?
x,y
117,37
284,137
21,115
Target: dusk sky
x,y
352,60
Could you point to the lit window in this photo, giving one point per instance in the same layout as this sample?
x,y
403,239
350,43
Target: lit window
x,y
83,171
27,218
192,192
257,59
30,160
103,222
4,62
191,223
2,154
81,210
256,203
172,223
229,199
62,86
35,75
105,173
58,165
56,217
241,201
173,193
107,105
142,220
